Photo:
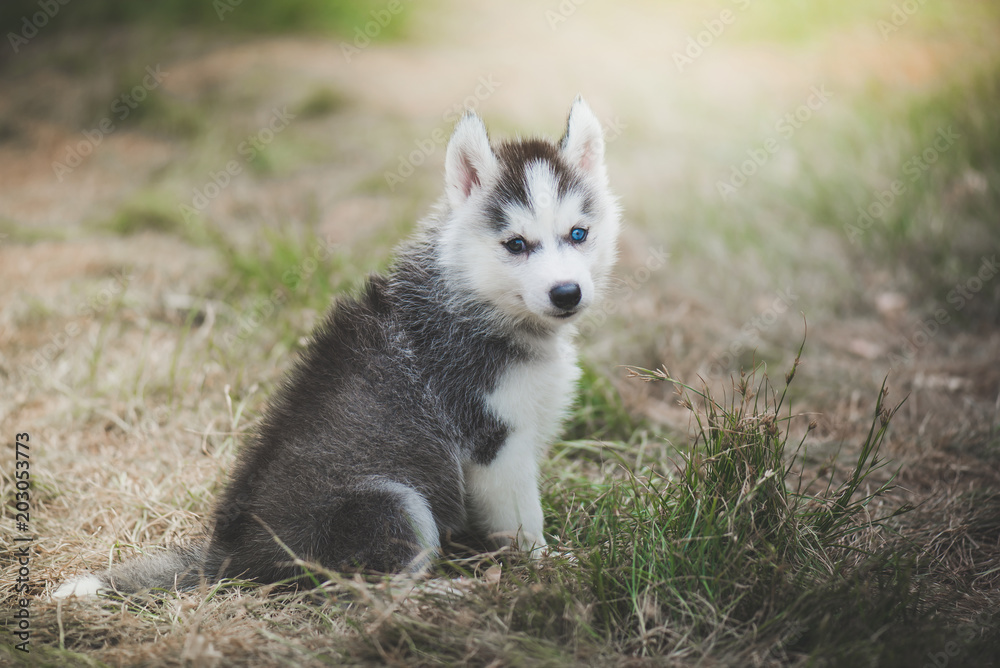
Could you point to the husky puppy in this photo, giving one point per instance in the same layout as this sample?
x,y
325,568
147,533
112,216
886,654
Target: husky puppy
x,y
422,406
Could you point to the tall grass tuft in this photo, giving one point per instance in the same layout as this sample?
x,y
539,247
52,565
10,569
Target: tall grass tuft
x,y
727,542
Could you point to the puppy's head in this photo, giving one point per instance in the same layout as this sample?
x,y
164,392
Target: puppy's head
x,y
531,226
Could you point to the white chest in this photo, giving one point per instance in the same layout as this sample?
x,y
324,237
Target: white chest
x,y
533,397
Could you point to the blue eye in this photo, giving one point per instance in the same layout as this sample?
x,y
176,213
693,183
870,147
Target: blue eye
x,y
578,234
516,245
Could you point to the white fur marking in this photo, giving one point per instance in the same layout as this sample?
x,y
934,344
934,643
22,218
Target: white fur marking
x,y
531,398
86,585
421,520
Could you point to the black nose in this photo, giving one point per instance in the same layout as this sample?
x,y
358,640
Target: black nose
x,y
565,295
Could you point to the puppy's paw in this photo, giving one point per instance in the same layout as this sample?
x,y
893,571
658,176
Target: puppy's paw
x,y
86,585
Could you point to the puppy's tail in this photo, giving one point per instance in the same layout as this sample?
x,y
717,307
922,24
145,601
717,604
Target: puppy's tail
x,y
182,567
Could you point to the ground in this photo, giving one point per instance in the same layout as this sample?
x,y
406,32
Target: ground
x,y
177,209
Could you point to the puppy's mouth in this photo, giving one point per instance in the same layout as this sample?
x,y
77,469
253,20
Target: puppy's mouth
x,y
566,314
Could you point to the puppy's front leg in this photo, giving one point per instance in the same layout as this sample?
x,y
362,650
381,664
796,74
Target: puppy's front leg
x,y
504,496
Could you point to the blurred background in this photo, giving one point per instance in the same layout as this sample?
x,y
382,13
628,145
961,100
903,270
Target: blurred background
x,y
774,160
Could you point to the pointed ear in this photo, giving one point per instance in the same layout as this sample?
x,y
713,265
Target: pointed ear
x,y
470,162
583,144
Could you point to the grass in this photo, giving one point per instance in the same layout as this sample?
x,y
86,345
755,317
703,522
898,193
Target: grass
x,y
928,202
600,413
147,212
728,532
734,552
321,102
164,116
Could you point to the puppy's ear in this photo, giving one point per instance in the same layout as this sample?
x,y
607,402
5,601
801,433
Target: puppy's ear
x,y
583,144
470,162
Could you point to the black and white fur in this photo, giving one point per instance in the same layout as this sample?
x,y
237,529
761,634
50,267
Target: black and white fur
x,y
422,406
